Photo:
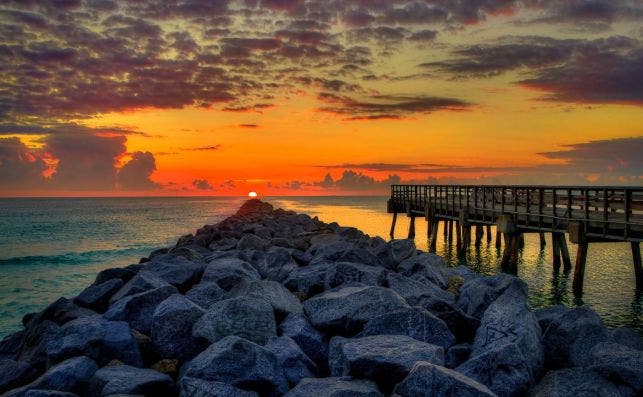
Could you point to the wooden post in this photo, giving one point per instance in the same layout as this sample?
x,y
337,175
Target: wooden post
x,y
479,234
446,229
543,242
393,226
458,235
434,234
450,223
498,239
579,270
509,262
555,244
466,237
562,243
428,228
412,228
638,269
521,240
489,234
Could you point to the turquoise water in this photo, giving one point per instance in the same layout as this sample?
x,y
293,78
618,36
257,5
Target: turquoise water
x,y
55,247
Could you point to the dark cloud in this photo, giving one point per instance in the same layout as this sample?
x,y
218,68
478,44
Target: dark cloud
x,y
135,174
205,148
20,167
202,184
250,126
356,181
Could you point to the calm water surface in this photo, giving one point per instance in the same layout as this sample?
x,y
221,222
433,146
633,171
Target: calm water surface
x,y
55,247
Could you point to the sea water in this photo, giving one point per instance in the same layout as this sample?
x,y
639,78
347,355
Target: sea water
x,y
52,247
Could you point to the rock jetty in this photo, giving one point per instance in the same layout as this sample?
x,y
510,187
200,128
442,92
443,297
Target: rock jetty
x,y
270,303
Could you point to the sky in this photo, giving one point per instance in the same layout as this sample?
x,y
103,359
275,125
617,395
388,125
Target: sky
x,y
300,97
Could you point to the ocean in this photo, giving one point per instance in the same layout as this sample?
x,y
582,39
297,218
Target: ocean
x,y
52,247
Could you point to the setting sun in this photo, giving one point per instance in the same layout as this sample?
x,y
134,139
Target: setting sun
x,y
252,194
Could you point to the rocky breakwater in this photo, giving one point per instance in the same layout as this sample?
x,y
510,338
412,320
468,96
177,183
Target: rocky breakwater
x,y
270,302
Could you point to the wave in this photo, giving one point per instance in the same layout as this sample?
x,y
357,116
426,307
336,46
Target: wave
x,y
76,258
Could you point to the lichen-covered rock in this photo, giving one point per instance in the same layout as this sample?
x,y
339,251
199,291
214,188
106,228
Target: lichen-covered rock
x,y
415,322
384,359
503,370
569,338
294,362
123,379
430,380
246,317
344,311
344,274
335,387
96,297
138,309
618,363
282,300
312,342
193,387
477,294
205,294
574,382
68,376
240,363
176,270
171,330
228,272
97,338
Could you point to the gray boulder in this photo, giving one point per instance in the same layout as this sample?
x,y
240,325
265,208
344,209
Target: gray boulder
x,y
15,373
457,355
384,359
228,272
276,264
35,342
96,297
307,281
142,282
121,273
246,317
429,380
171,330
312,342
569,338
355,255
295,364
49,393
548,314
97,338
205,294
282,300
429,266
335,387
414,291
175,270
240,363
399,250
251,241
193,387
461,324
345,274
415,322
68,376
618,363
123,379
579,382
10,345
628,337
344,311
509,320
477,294
504,370
138,309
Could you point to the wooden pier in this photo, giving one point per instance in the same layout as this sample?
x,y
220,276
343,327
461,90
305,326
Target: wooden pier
x,y
589,214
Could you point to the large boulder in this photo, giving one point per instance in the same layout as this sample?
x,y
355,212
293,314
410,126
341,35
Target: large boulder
x,y
246,317
228,272
548,314
240,363
35,342
142,282
509,320
253,242
335,387
171,330
60,312
628,337
282,300
344,274
574,382
15,373
205,294
10,345
414,291
138,309
504,370
70,375
430,380
461,324
385,359
97,338
307,281
312,342
120,273
428,266
175,270
415,322
477,294
344,311
123,379
618,363
569,338
194,387
397,251
294,362
96,297
49,393
276,264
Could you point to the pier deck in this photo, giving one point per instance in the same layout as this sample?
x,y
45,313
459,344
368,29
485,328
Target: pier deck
x,y
590,214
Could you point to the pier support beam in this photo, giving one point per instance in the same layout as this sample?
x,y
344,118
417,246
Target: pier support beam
x,y
555,245
392,234
509,262
479,234
564,252
489,237
543,242
579,269
450,223
498,239
458,235
434,234
638,268
412,227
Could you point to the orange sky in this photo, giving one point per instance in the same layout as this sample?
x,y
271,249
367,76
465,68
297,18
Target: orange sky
x,y
274,95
